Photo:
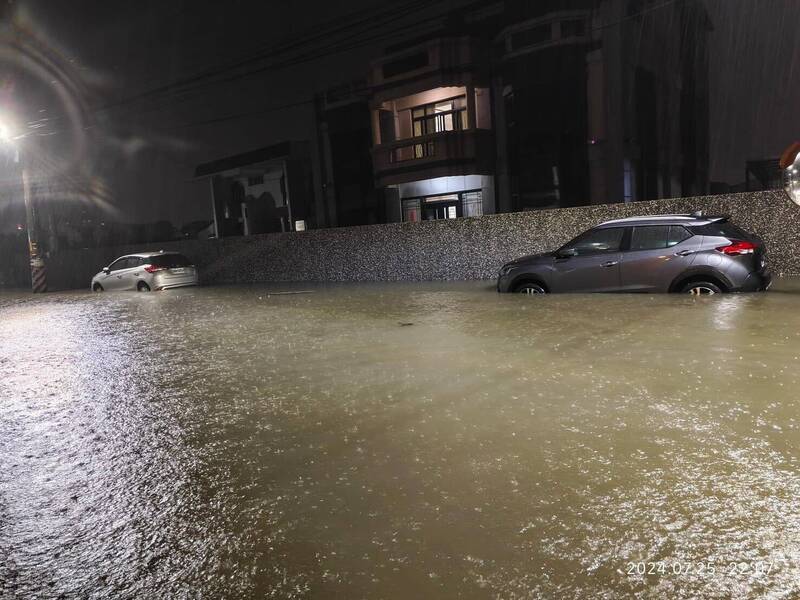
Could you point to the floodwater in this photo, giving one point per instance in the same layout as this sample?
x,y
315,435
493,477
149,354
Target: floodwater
x,y
399,441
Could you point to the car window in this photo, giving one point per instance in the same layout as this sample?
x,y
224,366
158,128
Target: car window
x,y
650,237
677,234
119,264
132,261
169,260
657,237
597,241
722,229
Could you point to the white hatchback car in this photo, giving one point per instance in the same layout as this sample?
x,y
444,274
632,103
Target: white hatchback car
x,y
146,271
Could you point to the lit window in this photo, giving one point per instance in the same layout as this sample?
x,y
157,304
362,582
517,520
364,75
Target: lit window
x,y
472,204
445,115
411,212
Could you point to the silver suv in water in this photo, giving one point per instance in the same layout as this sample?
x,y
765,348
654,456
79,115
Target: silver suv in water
x,y
664,253
146,271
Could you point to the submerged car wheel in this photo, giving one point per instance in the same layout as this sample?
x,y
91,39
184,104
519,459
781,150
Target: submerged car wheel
x,y
529,288
701,288
142,287
97,288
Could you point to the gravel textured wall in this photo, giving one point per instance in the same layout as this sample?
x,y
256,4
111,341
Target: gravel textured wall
x,y
436,250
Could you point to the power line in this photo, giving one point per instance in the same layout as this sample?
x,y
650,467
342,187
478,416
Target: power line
x,y
246,114
205,77
292,62
333,48
325,29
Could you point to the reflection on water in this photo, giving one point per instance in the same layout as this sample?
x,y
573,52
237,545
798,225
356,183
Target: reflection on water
x,y
399,441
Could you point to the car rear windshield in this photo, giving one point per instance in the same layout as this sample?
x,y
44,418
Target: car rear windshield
x,y
721,229
169,261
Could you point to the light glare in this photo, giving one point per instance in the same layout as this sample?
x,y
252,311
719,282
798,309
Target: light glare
x,y
793,181
6,135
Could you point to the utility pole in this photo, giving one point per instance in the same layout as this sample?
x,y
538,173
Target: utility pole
x,y
12,143
38,271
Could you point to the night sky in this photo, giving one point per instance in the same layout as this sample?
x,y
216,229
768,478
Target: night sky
x,y
141,148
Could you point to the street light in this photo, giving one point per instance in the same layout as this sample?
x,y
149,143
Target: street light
x,y
38,273
5,133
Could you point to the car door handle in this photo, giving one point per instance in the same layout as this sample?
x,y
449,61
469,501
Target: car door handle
x,y
610,263
685,252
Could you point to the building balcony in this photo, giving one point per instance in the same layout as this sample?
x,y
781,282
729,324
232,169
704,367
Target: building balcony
x,y
440,154
440,62
553,29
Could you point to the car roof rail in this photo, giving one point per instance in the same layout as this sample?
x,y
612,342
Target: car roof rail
x,y
699,214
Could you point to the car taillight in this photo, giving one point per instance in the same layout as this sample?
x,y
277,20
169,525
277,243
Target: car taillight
x,y
153,268
738,248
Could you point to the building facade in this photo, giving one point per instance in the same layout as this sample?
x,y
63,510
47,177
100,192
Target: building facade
x,y
516,105
348,195
543,104
605,101
433,140
268,190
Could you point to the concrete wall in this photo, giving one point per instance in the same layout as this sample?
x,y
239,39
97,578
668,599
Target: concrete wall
x,y
443,250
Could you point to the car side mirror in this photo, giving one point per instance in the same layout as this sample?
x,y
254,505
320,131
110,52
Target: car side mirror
x,y
106,270
567,253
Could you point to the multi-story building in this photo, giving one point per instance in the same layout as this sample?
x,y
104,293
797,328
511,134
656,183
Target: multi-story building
x,y
605,100
433,129
557,103
516,105
344,141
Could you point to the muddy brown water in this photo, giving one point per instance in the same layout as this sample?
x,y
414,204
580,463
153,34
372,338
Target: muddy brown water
x,y
399,441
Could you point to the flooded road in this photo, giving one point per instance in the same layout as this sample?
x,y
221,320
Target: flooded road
x,y
399,441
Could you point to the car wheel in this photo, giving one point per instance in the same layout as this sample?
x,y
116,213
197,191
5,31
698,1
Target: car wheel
x,y
97,288
701,288
142,287
529,288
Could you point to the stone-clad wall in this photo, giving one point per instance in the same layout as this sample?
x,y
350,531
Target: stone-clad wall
x,y
457,249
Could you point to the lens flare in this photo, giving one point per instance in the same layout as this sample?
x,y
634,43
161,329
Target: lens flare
x,y
5,133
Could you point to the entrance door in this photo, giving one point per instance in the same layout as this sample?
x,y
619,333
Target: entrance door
x,y
441,210
443,206
446,206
